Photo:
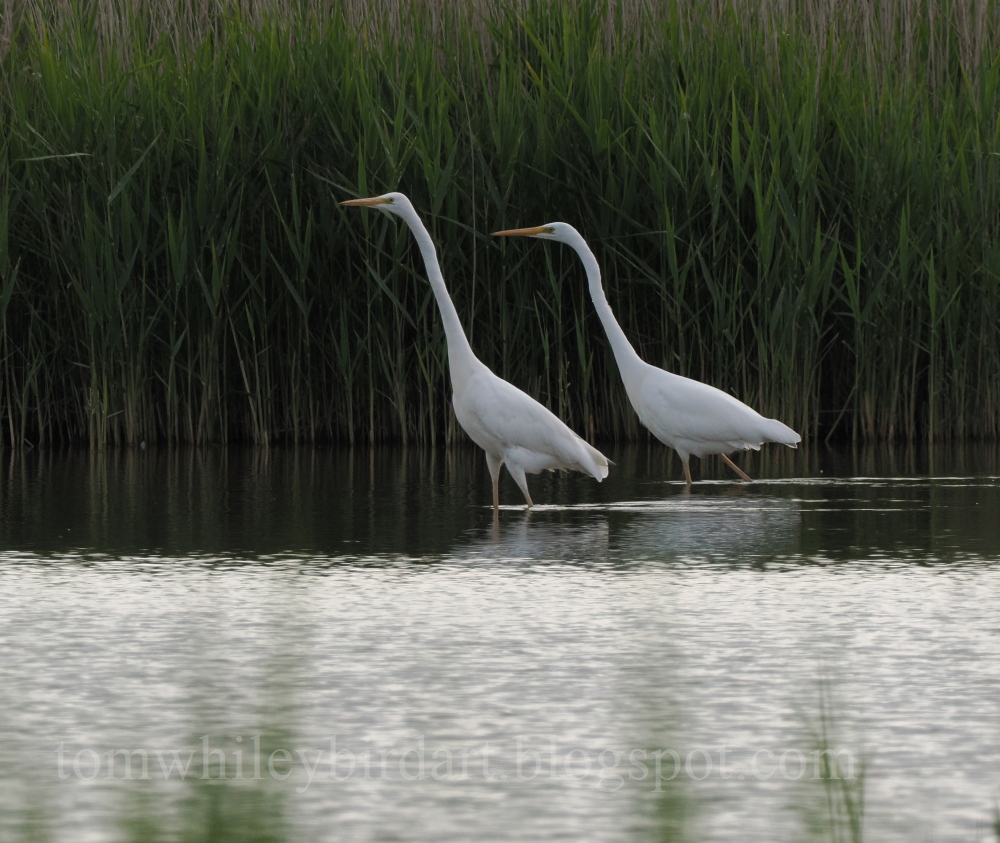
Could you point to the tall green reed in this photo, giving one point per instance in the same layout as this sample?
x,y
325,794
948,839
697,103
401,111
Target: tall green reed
x,y
798,209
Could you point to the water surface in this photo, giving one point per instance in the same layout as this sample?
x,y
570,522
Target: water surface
x,y
542,677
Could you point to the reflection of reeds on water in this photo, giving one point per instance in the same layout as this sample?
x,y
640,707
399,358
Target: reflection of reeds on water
x,y
206,812
838,816
829,803
210,812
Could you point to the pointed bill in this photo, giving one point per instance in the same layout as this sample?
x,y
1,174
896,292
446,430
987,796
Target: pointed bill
x,y
521,232
367,203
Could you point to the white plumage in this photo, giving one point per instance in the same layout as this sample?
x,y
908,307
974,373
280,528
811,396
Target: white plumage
x,y
509,425
691,417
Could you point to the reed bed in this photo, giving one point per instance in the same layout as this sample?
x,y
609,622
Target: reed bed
x,y
796,204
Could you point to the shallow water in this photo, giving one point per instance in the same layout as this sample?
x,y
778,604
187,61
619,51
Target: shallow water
x,y
540,678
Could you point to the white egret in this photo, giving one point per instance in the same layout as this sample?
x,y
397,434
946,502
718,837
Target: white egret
x,y
509,425
691,417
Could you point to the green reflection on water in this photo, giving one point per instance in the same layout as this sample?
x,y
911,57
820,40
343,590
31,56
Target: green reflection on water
x,y
407,507
931,505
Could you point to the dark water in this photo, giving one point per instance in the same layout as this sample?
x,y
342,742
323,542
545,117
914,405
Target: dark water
x,y
626,661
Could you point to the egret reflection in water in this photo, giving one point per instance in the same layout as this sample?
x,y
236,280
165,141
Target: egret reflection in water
x,y
733,530
736,530
532,538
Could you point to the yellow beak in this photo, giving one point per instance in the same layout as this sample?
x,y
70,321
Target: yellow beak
x,y
521,232
366,203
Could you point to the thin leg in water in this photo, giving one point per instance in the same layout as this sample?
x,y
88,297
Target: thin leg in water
x,y
518,474
494,464
736,468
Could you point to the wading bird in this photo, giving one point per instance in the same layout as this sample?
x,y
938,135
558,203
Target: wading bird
x,y
689,416
510,426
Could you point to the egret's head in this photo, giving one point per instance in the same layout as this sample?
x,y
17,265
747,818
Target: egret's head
x,y
550,231
391,203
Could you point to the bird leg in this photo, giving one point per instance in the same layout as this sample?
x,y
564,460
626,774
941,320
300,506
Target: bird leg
x,y
736,468
524,488
518,474
687,473
494,463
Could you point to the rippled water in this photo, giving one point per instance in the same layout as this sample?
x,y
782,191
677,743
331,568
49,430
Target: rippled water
x,y
539,678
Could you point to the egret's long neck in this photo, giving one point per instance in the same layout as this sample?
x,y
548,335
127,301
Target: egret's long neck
x,y
460,357
629,363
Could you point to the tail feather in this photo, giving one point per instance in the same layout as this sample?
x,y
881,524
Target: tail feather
x,y
776,431
594,462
